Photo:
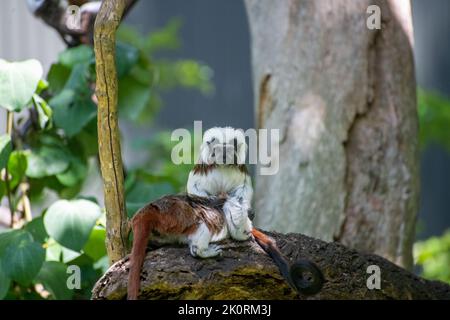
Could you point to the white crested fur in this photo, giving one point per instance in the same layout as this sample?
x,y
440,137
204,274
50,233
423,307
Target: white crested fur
x,y
222,136
226,179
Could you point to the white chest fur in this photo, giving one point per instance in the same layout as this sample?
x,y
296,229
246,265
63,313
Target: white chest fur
x,y
222,179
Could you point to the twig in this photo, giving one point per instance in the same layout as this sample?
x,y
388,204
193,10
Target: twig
x,y
25,201
9,127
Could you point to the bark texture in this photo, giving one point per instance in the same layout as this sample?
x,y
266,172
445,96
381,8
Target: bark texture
x,y
344,99
246,272
106,23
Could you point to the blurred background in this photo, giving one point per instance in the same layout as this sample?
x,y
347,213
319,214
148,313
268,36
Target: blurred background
x,y
213,35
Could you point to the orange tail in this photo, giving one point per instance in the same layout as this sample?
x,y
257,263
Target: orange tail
x,y
141,230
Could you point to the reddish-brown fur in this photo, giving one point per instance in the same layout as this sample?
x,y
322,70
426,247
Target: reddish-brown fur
x,y
178,215
170,215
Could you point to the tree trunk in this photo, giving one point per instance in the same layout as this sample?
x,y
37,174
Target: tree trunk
x,y
247,272
344,99
106,23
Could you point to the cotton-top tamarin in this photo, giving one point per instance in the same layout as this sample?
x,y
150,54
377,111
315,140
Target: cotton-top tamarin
x,y
215,208
197,221
221,170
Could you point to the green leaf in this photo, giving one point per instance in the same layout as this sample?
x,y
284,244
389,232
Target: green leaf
x,y
70,222
87,139
18,82
73,108
129,35
126,57
102,264
75,174
69,255
57,77
95,247
433,255
80,54
44,112
20,256
166,38
36,228
53,275
5,149
5,282
42,86
133,97
2,188
47,161
189,74
17,166
145,192
54,250
434,118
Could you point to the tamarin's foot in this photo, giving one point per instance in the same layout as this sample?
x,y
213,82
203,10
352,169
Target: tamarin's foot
x,y
213,250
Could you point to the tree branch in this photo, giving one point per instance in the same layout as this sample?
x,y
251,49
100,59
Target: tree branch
x,y
246,272
107,21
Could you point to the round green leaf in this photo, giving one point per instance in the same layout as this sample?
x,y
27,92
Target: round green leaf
x,y
53,275
21,257
18,82
70,222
